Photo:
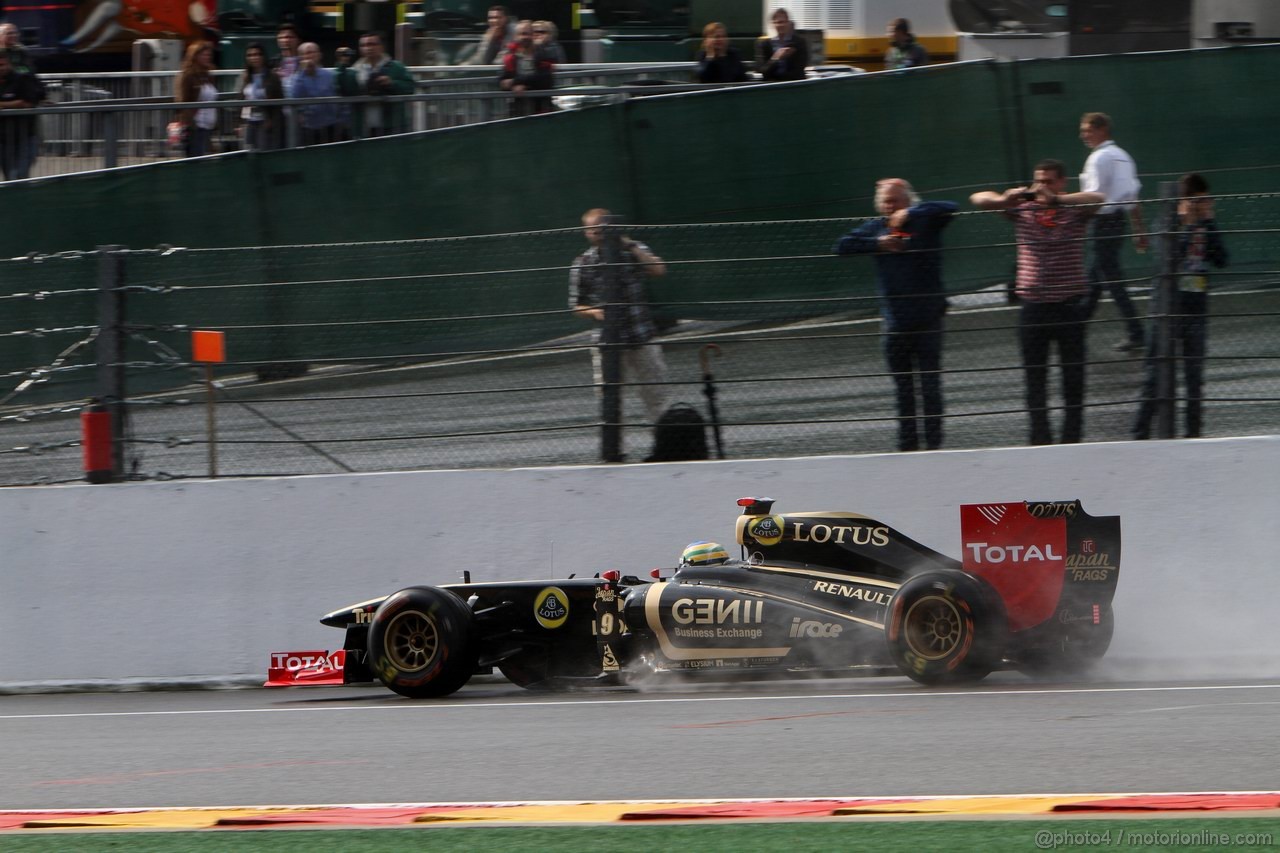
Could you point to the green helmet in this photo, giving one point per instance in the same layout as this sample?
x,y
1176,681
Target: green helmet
x,y
703,553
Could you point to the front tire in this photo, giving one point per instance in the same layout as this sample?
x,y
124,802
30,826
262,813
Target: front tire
x,y
420,642
943,629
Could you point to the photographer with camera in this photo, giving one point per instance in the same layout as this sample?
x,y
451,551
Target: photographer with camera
x,y
1050,226
379,75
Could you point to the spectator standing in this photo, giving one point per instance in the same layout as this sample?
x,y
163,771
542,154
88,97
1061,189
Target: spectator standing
x,y
527,67
286,64
11,44
377,74
1111,171
545,36
495,40
907,243
263,126
786,55
904,51
1197,245
317,123
18,91
717,61
344,58
195,85
1050,226
641,358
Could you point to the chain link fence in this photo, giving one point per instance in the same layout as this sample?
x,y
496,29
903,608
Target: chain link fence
x,y
462,352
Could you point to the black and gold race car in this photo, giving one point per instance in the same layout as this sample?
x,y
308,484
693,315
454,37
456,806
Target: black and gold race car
x,y
813,593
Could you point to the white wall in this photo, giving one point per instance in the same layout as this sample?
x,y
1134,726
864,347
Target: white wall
x,y
175,579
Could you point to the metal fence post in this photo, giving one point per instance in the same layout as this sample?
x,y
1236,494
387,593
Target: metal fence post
x,y
610,354
110,139
1162,327
111,349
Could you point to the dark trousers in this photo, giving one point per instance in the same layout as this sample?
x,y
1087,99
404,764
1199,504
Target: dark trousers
x,y
262,135
1109,233
198,140
1040,324
1189,334
909,352
17,152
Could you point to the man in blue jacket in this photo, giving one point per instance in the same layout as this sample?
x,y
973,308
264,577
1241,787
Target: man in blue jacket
x,y
907,243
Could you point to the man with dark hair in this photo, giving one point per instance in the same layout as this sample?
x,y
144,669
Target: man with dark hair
x,y
907,243
286,63
1198,244
375,73
500,33
904,51
1050,225
786,56
18,144
1110,170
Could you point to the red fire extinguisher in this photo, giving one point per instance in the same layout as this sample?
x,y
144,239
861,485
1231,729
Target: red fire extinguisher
x,y
95,439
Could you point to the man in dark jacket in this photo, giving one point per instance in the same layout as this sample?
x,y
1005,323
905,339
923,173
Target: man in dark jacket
x,y
18,91
904,51
785,56
907,242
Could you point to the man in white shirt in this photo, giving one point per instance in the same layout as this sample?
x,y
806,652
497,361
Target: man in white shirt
x,y
1111,171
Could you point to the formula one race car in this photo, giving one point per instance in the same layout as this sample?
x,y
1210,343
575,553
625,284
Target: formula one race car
x,y
814,592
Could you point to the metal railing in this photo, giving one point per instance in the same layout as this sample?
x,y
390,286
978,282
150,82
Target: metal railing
x,y
85,127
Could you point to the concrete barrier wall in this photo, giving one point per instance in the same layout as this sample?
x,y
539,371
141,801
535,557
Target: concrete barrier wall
x,y
182,579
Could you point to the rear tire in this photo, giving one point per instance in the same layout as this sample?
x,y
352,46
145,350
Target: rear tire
x,y
944,630
420,642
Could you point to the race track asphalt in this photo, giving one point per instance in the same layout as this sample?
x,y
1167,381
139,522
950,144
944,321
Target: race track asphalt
x,y
494,742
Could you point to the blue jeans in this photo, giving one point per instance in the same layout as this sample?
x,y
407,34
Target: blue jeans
x,y
907,352
1188,336
1040,324
1109,234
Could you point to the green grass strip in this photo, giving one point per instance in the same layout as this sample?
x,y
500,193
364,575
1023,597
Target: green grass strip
x,y
1182,834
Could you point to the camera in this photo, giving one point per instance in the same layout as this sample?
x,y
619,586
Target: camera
x,y
1028,195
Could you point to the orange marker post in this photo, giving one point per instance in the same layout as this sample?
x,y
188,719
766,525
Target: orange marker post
x,y
209,348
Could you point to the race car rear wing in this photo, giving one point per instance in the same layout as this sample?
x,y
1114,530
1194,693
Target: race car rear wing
x,y
1041,555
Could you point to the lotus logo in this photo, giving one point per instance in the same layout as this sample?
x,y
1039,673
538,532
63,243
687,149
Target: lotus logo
x,y
551,607
766,530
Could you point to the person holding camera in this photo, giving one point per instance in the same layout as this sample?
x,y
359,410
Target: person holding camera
x,y
378,75
642,360
1052,287
1197,246
906,241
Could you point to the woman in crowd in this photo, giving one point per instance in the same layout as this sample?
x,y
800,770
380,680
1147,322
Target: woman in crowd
x,y
263,126
195,85
717,62
545,35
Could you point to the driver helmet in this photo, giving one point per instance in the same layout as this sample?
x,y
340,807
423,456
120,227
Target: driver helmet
x,y
703,553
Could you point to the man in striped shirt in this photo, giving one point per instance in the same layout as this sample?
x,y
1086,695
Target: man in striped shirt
x,y
1050,226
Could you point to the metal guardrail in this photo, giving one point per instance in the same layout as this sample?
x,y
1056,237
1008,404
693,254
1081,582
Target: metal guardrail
x,y
95,121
